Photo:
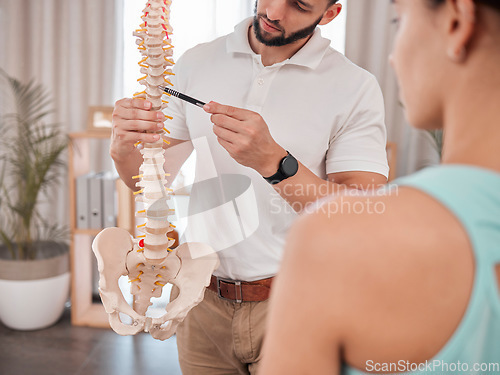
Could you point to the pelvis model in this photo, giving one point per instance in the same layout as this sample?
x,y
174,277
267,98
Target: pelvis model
x,y
148,260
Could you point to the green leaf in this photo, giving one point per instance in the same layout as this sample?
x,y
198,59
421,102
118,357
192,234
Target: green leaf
x,y
30,157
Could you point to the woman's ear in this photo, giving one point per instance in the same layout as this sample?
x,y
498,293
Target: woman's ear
x,y
332,12
460,28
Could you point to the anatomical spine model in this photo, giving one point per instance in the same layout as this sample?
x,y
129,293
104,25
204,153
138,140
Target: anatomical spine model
x,y
148,260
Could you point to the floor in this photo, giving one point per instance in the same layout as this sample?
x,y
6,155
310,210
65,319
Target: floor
x,y
66,350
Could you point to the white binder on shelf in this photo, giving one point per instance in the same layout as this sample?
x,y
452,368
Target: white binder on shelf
x,y
95,200
109,199
82,201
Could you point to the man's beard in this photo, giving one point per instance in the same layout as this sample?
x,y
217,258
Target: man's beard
x,y
281,40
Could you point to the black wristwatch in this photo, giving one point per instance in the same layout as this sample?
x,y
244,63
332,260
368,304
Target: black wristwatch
x,y
288,167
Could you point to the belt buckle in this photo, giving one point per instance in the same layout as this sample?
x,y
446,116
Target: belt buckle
x,y
237,288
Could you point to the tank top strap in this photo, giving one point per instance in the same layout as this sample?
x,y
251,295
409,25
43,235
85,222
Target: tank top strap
x,y
473,195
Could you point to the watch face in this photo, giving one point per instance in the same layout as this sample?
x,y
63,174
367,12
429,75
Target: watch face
x,y
289,166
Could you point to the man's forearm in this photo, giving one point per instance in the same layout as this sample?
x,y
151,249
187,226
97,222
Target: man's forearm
x,y
305,187
128,167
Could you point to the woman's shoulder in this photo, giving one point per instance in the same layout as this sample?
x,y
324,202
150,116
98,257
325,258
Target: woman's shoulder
x,y
390,255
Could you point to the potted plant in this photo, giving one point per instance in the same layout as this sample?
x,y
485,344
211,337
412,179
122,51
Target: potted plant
x,y
34,256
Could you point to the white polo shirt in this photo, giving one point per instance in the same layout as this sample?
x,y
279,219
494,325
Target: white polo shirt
x,y
323,109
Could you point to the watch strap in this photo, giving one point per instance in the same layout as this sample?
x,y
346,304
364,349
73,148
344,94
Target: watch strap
x,y
279,175
276,178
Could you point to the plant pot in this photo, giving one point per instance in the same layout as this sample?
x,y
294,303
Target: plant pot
x,y
33,292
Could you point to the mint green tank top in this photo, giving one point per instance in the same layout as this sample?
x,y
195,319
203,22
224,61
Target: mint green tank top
x,y
473,196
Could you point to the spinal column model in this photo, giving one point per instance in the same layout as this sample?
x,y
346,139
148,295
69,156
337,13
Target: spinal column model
x,y
148,260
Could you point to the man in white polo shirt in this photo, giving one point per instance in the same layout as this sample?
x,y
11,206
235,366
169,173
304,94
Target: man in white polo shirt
x,y
299,121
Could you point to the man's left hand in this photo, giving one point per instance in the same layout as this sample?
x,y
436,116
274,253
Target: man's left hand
x,y
246,137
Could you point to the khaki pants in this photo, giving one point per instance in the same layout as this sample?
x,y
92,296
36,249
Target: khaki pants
x,y
221,337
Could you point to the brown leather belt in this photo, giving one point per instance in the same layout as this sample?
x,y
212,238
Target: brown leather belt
x,y
241,291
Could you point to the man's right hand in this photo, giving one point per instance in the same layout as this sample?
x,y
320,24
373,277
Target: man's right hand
x,y
133,121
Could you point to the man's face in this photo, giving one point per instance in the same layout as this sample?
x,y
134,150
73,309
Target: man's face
x,y
268,21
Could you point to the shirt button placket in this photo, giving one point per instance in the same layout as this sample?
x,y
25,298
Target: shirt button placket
x,y
260,87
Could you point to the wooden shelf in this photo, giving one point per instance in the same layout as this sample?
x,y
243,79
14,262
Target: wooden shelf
x,y
90,135
88,232
85,312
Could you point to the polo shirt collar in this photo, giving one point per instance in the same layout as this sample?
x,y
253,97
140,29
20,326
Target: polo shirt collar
x,y
237,42
310,55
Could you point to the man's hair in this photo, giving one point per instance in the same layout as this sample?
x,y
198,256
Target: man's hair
x,y
331,2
